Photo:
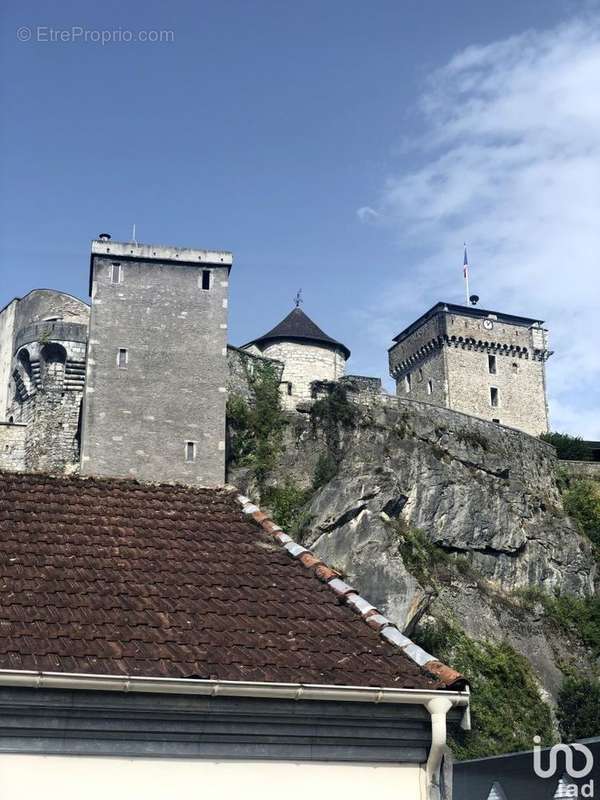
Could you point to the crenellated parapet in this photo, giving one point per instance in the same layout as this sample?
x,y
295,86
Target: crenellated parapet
x,y
433,346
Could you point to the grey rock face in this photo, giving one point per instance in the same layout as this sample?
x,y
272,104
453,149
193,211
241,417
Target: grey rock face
x,y
472,487
349,531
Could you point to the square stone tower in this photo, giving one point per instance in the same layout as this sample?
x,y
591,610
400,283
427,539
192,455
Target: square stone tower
x,y
155,394
484,363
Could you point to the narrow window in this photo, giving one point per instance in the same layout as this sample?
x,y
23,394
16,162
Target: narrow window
x,y
407,383
205,279
289,388
190,452
515,367
429,387
494,396
116,273
122,358
420,374
492,365
496,420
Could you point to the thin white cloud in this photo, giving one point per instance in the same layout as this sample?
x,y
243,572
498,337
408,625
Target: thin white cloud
x,y
366,214
511,164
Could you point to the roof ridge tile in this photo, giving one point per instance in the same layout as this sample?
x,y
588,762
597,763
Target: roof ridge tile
x,y
448,677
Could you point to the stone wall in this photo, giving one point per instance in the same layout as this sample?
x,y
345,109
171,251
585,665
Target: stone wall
x,y
241,365
303,364
7,320
12,446
48,304
170,389
582,469
518,379
427,381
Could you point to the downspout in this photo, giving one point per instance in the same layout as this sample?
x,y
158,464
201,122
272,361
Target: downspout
x,y
438,707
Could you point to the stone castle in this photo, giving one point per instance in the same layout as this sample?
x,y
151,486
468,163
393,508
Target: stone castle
x,y
135,385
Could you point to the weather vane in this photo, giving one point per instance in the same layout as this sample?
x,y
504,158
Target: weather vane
x,y
298,299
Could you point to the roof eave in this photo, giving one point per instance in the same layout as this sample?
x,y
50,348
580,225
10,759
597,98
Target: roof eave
x,y
331,343
202,686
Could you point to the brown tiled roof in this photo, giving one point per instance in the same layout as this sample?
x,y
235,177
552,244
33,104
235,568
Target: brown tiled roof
x,y
115,577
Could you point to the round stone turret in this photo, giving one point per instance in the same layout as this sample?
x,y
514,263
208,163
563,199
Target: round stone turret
x,y
307,352
47,375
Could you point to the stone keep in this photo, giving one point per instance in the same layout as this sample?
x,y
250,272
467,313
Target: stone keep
x,y
156,377
484,363
308,354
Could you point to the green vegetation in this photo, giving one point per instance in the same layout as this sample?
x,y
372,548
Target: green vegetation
x,y
257,426
506,708
286,504
578,709
575,616
421,557
581,500
568,448
325,469
428,562
330,415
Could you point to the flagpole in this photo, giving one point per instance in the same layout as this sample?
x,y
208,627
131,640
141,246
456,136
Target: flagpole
x,y
466,274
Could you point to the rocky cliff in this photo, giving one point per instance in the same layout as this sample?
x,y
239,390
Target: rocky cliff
x,y
438,517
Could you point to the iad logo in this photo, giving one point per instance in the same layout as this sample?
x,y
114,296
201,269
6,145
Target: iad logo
x,y
571,790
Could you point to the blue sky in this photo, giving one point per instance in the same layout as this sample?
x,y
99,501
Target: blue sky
x,y
346,148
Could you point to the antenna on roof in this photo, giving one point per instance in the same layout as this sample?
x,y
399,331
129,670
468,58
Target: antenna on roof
x,y
298,299
133,234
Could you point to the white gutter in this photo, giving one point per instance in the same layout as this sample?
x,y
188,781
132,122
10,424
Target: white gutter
x,y
193,686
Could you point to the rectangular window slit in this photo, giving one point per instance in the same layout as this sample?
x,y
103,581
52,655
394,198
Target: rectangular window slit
x,y
122,358
492,365
494,396
206,279
407,383
429,387
190,451
116,273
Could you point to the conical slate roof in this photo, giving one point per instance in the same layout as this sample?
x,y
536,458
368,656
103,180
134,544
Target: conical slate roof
x,y
297,326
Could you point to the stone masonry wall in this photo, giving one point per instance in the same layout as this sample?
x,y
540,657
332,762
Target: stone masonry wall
x,y
7,319
582,469
303,364
519,381
12,446
171,390
427,381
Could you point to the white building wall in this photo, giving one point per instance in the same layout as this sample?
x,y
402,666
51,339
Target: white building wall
x,y
303,364
78,777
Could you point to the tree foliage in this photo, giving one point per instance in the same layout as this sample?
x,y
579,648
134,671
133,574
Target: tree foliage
x,y
257,426
506,707
578,709
581,501
568,448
